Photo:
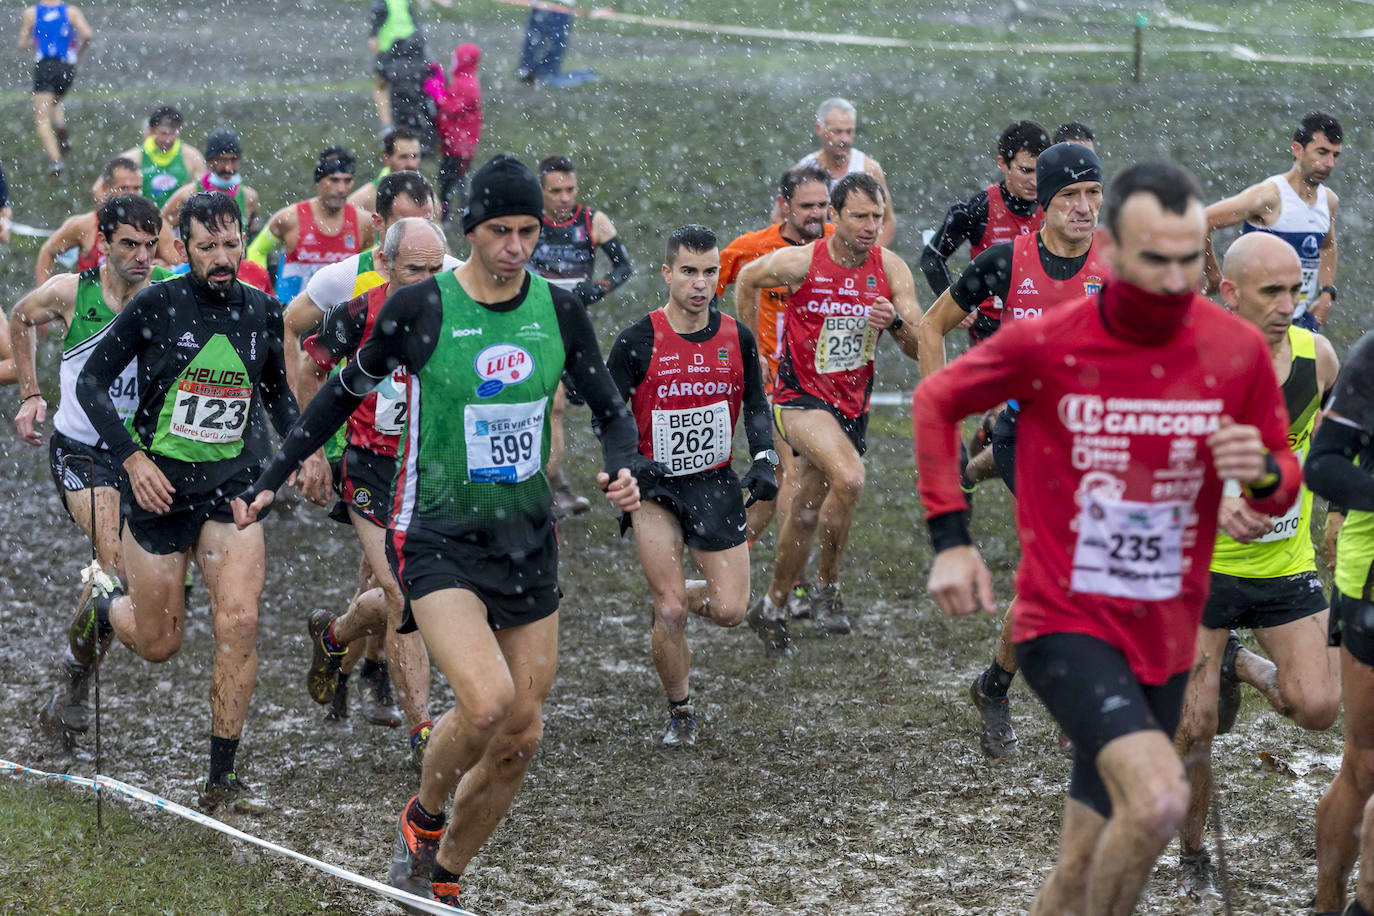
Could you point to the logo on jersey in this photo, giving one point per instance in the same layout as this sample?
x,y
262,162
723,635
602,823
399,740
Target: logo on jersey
x,y
500,365
1027,288
350,241
723,356
1092,286
871,282
164,183
1311,248
1025,229
466,332
188,340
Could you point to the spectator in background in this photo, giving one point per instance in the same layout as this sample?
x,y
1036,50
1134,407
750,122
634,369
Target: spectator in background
x,y
546,41
395,38
458,101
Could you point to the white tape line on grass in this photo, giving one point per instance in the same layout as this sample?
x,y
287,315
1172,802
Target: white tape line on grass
x,y
106,783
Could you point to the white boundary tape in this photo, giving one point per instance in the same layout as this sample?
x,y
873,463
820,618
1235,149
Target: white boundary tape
x,y
102,783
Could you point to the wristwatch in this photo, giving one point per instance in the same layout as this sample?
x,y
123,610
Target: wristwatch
x,y
898,321
1331,290
768,455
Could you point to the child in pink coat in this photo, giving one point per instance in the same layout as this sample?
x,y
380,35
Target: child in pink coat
x,y
458,103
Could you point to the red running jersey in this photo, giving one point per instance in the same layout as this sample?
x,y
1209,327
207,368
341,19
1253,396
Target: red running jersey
x,y
1002,226
1032,291
827,343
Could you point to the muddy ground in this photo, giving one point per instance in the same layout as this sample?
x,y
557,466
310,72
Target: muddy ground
x,y
845,780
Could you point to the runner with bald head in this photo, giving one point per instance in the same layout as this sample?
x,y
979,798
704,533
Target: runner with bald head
x,y
1264,569
836,120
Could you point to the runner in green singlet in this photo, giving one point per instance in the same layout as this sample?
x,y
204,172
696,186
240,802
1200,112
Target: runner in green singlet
x,y
165,161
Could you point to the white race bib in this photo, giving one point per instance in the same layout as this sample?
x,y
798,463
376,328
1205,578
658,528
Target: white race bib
x,y
1286,525
504,440
210,413
692,439
124,392
390,414
1129,549
846,344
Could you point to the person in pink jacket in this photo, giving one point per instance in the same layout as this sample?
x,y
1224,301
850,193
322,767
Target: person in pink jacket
x,y
458,102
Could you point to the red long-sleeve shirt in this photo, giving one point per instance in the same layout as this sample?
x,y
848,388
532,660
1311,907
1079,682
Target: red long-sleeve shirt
x,y
1116,495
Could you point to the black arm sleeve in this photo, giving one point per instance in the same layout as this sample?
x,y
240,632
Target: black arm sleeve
x,y
964,222
378,13
989,274
126,338
758,418
611,419
276,395
326,412
621,268
629,358
1330,470
935,269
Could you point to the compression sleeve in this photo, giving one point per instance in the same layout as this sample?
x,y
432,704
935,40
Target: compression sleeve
x,y
621,268
964,222
935,269
987,275
276,395
126,338
1331,470
628,361
758,417
611,419
262,246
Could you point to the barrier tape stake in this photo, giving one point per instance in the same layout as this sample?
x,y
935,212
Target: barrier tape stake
x,y
1140,23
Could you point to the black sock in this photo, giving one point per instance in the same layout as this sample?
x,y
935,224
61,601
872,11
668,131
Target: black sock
x,y
371,667
441,875
422,818
996,680
1354,909
103,627
222,754
678,704
343,679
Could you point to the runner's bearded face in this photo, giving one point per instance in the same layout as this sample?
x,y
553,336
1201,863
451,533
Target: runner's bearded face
x,y
560,194
225,167
502,246
1317,159
125,181
130,253
1266,294
1159,251
805,213
691,279
1072,213
1020,174
214,255
405,158
837,133
333,190
858,224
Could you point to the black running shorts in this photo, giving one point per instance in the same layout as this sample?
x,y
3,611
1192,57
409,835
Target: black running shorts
x,y
517,587
855,428
363,481
80,474
178,529
1092,693
53,74
1352,626
1235,602
1004,447
709,507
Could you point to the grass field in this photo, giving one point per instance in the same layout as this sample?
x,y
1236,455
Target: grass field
x,y
848,780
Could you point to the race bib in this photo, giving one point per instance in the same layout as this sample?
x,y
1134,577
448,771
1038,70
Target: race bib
x,y
504,441
846,343
1286,525
1129,549
389,415
692,439
210,413
124,392
1308,294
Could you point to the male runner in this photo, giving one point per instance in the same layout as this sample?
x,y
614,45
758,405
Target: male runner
x,y
48,28
223,158
842,293
471,535
1264,570
566,256
400,153
120,176
86,303
413,251
165,162
803,201
1136,403
1056,264
1298,207
1074,132
208,351
837,157
1338,468
688,371
315,232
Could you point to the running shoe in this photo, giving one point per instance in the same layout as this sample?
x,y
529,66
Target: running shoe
x,y
412,858
1195,874
88,637
231,793
417,748
379,706
682,727
777,642
799,602
338,707
322,679
829,609
66,709
446,892
1228,696
566,503
996,735
56,168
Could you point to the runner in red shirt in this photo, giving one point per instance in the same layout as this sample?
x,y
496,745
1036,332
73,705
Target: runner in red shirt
x,y
688,372
843,292
1030,275
1136,403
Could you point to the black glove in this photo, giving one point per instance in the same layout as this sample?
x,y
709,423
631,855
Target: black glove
x,y
646,471
589,292
761,483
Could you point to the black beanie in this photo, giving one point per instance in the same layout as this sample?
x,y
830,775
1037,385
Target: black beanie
x,y
1062,165
222,142
505,186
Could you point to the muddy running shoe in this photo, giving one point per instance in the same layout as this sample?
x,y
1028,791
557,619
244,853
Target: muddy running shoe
x,y
799,602
379,706
88,637
829,609
418,742
66,709
996,735
777,642
56,168
1195,874
412,857
445,892
682,727
1228,697
322,679
230,793
64,141
338,707
566,503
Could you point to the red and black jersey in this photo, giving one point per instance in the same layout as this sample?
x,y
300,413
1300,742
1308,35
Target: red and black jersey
x,y
1002,226
1032,290
565,251
827,344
